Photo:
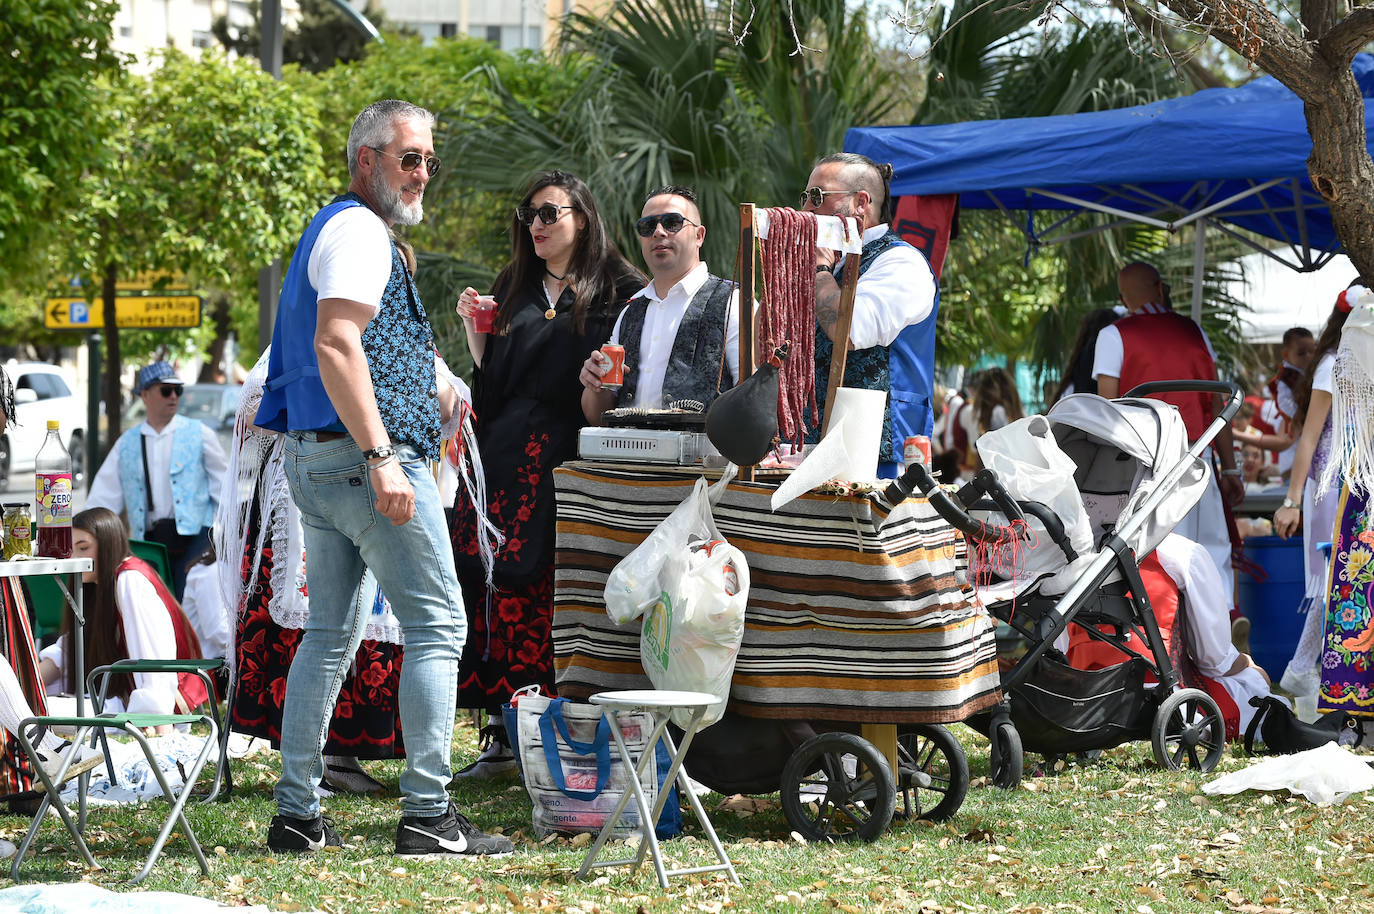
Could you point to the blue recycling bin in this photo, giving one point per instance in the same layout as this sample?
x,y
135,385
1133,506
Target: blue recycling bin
x,y
1271,604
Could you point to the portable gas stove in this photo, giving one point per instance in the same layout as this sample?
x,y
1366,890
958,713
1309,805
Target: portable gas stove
x,y
674,436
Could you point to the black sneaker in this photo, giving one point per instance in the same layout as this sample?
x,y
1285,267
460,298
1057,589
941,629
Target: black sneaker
x,y
302,835
448,835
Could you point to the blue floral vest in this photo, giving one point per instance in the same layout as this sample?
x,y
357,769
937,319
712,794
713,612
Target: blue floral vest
x,y
398,343
192,503
695,370
906,370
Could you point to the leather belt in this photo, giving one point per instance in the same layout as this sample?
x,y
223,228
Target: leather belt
x,y
329,436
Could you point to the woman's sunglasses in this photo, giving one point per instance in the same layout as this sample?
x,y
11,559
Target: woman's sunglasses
x,y
411,160
548,213
672,224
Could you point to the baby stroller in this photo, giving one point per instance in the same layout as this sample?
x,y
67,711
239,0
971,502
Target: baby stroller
x,y
1140,478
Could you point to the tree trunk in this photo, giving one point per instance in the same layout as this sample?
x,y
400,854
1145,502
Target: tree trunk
x,y
1341,169
112,361
219,315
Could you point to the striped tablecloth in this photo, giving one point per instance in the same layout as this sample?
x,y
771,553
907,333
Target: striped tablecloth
x,y
856,612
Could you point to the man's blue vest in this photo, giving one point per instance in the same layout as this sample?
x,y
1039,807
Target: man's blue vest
x,y
906,369
192,502
398,343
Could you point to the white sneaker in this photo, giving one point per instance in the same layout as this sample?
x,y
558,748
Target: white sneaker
x,y
51,760
497,760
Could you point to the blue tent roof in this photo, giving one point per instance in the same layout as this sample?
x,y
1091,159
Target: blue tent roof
x,y
1208,154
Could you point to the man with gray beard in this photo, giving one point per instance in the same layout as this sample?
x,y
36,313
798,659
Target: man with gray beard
x,y
355,385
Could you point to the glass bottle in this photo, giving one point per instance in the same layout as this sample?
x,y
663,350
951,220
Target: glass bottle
x,y
53,485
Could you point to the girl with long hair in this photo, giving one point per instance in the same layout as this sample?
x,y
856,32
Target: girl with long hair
x,y
1078,377
558,299
995,403
1306,505
130,614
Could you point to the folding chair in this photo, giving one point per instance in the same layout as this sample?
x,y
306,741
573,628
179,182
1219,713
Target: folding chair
x,y
133,725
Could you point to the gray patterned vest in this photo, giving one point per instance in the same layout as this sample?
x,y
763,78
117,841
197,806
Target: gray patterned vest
x,y
399,345
696,370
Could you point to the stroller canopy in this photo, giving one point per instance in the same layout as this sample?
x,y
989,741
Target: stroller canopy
x,y
1123,449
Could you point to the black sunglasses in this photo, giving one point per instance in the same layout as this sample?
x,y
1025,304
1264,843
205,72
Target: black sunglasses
x,y
672,224
411,160
168,389
548,213
816,197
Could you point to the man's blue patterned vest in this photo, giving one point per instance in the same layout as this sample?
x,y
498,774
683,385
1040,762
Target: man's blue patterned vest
x,y
398,343
695,368
191,502
906,370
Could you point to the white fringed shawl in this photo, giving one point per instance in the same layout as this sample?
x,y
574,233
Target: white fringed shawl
x,y
1352,401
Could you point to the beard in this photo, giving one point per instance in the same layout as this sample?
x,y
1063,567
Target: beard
x,y
389,204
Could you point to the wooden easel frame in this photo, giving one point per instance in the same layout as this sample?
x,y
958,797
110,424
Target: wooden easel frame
x,y
748,356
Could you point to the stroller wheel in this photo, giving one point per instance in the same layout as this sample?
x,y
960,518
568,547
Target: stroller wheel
x,y
838,787
933,772
1188,731
1007,759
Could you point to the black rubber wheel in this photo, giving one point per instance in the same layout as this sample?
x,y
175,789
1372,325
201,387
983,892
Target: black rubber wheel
x,y
1188,731
77,449
858,789
4,462
1007,759
933,772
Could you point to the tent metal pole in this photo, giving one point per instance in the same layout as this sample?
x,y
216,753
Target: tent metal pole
x,y
1199,264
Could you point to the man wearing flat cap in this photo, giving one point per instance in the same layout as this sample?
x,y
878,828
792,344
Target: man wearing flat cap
x,y
165,473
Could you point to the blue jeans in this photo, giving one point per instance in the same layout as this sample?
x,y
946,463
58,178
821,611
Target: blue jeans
x,y
413,564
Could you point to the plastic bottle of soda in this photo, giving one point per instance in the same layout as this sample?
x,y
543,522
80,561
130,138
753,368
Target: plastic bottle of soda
x,y
53,478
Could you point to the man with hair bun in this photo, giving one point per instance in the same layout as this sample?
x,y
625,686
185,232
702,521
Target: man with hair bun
x,y
892,332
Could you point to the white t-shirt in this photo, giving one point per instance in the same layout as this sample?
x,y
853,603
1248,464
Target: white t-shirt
x,y
351,258
896,291
1321,375
148,635
1110,352
662,317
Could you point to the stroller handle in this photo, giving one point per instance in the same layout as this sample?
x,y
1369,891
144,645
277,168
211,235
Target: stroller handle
x,y
1235,396
954,509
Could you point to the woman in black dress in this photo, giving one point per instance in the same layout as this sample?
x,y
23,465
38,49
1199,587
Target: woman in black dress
x,y
557,299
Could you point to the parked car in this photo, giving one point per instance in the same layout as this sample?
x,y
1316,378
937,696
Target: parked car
x,y
41,392
213,404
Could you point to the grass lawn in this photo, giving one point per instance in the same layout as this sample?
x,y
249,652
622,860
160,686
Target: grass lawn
x,y
1116,836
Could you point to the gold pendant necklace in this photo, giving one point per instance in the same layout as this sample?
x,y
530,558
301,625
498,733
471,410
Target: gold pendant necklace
x,y
550,314
552,311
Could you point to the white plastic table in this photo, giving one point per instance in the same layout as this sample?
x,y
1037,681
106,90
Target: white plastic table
x,y
660,704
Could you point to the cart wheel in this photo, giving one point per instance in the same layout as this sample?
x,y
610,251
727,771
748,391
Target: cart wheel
x,y
1188,731
838,787
933,772
1007,758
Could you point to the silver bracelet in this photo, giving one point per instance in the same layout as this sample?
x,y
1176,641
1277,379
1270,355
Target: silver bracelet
x,y
384,462
1233,471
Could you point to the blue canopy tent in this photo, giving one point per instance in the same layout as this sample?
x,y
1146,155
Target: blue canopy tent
x,y
1226,158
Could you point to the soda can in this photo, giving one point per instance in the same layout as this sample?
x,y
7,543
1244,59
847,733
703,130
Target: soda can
x,y
916,450
616,376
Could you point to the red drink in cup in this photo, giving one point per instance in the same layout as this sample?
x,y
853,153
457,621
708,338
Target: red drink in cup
x,y
616,376
484,317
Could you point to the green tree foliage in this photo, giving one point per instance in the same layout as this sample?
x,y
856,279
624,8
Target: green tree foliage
x,y
320,38
213,173
53,116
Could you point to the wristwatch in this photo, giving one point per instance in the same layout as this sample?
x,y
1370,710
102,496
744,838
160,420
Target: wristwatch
x,y
1290,503
381,450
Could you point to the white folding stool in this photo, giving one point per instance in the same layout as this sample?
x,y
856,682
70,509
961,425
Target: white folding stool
x,y
660,704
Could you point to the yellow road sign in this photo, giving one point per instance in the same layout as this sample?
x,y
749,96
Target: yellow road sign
x,y
141,312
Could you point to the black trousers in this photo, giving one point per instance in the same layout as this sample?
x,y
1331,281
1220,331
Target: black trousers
x,y
182,551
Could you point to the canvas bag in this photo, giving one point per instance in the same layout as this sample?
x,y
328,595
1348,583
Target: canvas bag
x,y
572,769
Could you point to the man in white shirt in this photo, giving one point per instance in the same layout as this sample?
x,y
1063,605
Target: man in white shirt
x,y
681,333
897,300
165,473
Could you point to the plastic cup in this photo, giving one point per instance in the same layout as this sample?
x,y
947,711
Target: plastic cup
x,y
484,317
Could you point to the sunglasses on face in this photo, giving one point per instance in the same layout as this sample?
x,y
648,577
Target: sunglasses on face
x,y
170,390
411,160
548,213
672,224
816,197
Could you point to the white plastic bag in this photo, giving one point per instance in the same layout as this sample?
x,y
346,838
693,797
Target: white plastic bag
x,y
692,633
1324,775
1031,467
633,585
